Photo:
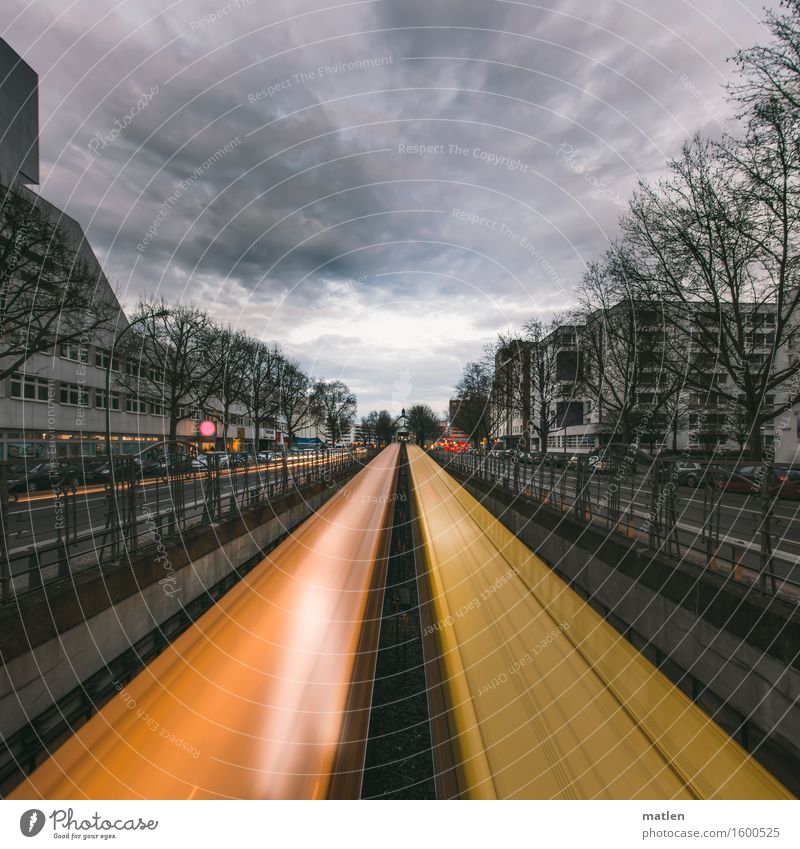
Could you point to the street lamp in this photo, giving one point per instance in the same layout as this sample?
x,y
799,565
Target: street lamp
x,y
117,337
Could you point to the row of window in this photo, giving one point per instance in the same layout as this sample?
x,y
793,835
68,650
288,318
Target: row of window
x,y
29,388
191,413
573,441
102,359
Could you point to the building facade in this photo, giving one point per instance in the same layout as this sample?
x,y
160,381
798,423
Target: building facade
x,y
54,404
582,388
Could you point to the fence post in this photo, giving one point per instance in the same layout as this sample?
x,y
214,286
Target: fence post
x,y
766,528
5,560
34,571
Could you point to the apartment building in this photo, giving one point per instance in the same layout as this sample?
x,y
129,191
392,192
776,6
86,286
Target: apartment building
x,y
552,388
539,404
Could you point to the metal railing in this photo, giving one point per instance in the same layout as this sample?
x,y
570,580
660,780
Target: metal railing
x,y
703,523
134,511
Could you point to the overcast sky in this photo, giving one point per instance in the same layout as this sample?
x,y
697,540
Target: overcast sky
x,y
379,186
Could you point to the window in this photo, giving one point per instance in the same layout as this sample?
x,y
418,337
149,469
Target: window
x,y
74,395
102,359
29,388
100,399
157,409
74,351
135,405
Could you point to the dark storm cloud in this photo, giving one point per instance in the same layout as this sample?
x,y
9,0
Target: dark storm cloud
x,y
381,186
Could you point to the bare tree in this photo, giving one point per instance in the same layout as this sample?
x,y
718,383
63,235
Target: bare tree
x,y
294,396
333,406
49,292
716,243
228,353
368,426
422,422
262,395
478,409
627,357
548,374
772,71
166,359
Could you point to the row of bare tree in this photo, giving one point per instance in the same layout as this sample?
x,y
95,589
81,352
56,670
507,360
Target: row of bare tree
x,y
692,316
174,358
180,359
379,426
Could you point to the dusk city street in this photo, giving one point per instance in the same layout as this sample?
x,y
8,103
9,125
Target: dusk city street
x,y
400,401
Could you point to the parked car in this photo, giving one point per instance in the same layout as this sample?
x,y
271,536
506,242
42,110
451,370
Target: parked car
x,y
599,464
43,476
784,482
788,482
692,474
199,463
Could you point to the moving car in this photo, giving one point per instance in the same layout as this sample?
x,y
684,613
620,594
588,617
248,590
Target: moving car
x,y
90,469
44,476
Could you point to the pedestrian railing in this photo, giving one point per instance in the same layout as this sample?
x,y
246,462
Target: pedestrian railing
x,y
138,512
740,537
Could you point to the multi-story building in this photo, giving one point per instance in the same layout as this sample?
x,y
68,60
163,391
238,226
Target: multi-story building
x,y
587,386
54,403
539,404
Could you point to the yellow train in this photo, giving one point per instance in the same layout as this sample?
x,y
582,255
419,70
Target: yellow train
x,y
546,699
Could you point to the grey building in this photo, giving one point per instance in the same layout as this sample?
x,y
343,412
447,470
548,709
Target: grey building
x,y
19,118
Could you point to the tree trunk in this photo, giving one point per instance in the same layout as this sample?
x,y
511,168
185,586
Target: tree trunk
x,y
225,416
755,445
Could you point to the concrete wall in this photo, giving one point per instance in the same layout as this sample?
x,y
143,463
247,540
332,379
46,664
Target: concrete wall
x,y
735,652
58,637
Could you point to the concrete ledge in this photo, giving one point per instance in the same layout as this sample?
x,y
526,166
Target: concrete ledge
x,y
55,638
